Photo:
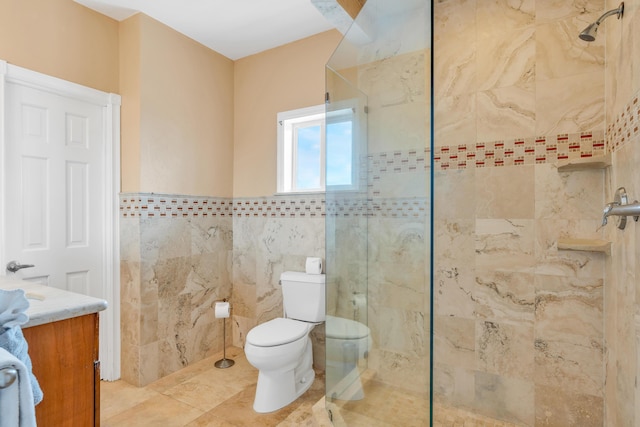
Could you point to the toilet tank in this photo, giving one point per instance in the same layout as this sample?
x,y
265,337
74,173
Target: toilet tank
x,y
303,296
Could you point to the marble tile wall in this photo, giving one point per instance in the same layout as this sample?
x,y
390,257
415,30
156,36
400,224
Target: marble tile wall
x,y
265,244
176,259
517,320
622,294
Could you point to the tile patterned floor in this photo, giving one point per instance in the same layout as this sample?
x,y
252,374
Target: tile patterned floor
x,y
202,395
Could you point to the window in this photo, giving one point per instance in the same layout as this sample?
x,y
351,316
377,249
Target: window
x,y
308,158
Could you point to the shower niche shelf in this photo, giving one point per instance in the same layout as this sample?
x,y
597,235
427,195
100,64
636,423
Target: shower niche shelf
x,y
588,163
588,245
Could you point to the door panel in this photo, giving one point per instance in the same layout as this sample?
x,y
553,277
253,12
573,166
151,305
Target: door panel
x,y
54,188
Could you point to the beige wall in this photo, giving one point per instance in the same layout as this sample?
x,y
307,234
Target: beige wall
x,y
185,95
131,108
61,38
280,79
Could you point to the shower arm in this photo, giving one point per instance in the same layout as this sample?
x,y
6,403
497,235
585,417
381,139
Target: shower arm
x,y
619,11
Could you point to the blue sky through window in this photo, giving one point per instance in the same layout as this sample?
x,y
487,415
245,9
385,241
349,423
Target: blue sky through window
x,y
308,157
339,153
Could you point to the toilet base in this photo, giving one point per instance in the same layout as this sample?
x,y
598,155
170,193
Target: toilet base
x,y
277,389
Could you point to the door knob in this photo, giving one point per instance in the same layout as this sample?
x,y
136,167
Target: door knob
x,y
14,266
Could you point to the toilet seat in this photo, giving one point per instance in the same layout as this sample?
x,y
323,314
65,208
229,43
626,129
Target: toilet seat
x,y
345,329
277,332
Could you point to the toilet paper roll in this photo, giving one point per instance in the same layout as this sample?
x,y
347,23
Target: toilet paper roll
x,y
222,310
313,265
359,301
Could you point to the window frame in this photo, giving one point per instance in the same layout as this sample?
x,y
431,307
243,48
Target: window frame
x,y
287,124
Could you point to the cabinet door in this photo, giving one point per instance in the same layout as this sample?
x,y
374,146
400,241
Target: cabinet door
x,y
64,356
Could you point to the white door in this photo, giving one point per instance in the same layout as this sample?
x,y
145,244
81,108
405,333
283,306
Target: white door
x,y
54,189
58,194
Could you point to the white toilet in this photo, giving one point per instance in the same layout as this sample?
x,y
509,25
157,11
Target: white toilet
x,y
347,341
281,348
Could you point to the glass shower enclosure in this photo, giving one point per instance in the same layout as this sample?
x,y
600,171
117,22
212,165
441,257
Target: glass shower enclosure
x,y
378,218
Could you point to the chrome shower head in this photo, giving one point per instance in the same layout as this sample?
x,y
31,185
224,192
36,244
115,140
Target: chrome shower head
x,y
589,33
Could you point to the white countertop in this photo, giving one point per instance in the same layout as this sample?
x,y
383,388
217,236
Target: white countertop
x,y
48,304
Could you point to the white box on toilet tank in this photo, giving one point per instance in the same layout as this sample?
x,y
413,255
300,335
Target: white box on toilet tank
x,y
303,296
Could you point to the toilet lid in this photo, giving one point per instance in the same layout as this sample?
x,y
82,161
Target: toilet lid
x,y
345,329
277,332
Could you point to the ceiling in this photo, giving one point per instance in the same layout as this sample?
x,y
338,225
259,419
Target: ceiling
x,y
234,28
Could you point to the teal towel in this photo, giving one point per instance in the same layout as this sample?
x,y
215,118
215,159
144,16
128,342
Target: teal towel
x,y
13,305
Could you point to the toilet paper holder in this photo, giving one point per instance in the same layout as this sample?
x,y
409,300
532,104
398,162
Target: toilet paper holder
x,y
224,362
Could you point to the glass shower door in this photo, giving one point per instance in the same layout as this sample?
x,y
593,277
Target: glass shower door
x,y
378,232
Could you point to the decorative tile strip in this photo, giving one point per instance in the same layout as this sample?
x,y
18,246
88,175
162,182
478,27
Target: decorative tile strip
x,y
626,126
520,151
145,205
302,206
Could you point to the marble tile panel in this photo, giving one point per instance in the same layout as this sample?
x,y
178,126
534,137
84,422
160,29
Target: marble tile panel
x,y
555,10
557,408
513,59
505,245
551,261
505,192
453,385
150,364
396,185
633,51
397,252
560,53
130,363
455,63
503,398
569,309
568,195
407,85
243,300
130,293
398,127
211,234
171,275
129,239
570,104
240,327
400,369
454,342
161,240
501,15
454,275
455,194
454,16
401,331
574,367
506,112
618,79
505,349
455,119
504,297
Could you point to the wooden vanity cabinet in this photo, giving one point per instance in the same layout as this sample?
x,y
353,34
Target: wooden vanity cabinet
x,y
64,355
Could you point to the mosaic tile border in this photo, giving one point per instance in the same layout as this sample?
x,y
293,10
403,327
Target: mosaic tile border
x,y
378,208
626,125
280,207
144,205
520,151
